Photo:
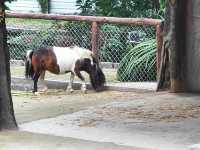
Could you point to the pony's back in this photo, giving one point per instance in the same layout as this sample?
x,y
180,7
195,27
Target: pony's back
x,y
74,51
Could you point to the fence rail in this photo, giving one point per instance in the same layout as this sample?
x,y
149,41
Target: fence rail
x,y
97,35
113,20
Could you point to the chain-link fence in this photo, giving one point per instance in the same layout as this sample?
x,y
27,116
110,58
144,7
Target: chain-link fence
x,y
127,52
21,39
118,45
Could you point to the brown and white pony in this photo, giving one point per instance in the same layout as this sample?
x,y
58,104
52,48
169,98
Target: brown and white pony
x,y
60,60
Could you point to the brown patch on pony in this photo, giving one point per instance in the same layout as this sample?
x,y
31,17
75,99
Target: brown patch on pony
x,y
41,60
45,59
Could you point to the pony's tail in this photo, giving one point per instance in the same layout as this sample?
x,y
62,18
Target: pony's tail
x,y
28,65
97,78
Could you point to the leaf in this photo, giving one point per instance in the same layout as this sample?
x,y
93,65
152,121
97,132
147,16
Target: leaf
x,y
139,63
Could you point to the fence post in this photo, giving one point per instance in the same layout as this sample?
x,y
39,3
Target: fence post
x,y
94,39
159,46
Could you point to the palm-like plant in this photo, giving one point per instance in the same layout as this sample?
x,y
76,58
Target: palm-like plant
x,y
139,64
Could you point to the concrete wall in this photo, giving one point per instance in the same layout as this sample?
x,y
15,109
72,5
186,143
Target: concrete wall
x,y
57,6
193,46
24,6
63,6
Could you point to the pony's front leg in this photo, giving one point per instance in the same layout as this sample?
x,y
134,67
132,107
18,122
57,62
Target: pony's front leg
x,y
83,86
69,87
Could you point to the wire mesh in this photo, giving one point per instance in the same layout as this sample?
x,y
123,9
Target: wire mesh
x,y
118,45
70,33
115,45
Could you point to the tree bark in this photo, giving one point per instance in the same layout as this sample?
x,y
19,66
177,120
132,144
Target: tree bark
x,y
156,4
7,118
171,73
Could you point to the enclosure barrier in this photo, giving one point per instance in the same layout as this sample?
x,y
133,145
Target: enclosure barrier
x,y
97,37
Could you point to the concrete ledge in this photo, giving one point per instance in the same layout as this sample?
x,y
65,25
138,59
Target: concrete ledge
x,y
107,65
16,62
27,85
23,84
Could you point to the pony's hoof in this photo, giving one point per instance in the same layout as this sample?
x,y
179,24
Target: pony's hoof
x,y
84,91
44,89
70,90
36,93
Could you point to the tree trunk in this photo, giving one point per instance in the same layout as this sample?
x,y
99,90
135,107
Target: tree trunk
x,y
7,118
156,4
171,73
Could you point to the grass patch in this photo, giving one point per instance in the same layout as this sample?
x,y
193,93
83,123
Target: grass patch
x,y
36,22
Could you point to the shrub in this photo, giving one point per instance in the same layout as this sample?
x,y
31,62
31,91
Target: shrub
x,y
24,40
113,46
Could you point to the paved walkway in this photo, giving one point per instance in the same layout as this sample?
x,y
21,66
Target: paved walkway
x,y
31,141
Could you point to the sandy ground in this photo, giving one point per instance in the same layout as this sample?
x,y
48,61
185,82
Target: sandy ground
x,y
148,120
29,107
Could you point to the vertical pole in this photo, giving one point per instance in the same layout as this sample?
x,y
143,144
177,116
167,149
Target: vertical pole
x,y
159,40
7,117
94,40
49,6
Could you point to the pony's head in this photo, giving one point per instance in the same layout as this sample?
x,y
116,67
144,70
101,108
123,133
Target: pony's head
x,y
97,77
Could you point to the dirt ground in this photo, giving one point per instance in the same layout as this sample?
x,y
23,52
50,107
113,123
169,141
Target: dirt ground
x,y
142,119
143,107
29,107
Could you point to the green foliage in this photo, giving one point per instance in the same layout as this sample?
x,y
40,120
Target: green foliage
x,y
21,41
162,4
59,34
114,40
114,45
76,33
86,6
162,8
139,64
120,8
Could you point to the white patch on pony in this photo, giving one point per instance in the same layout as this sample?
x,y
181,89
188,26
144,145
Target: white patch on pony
x,y
67,57
83,53
28,54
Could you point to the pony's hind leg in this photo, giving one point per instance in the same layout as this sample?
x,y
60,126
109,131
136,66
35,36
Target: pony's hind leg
x,y
83,86
69,87
44,86
35,79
